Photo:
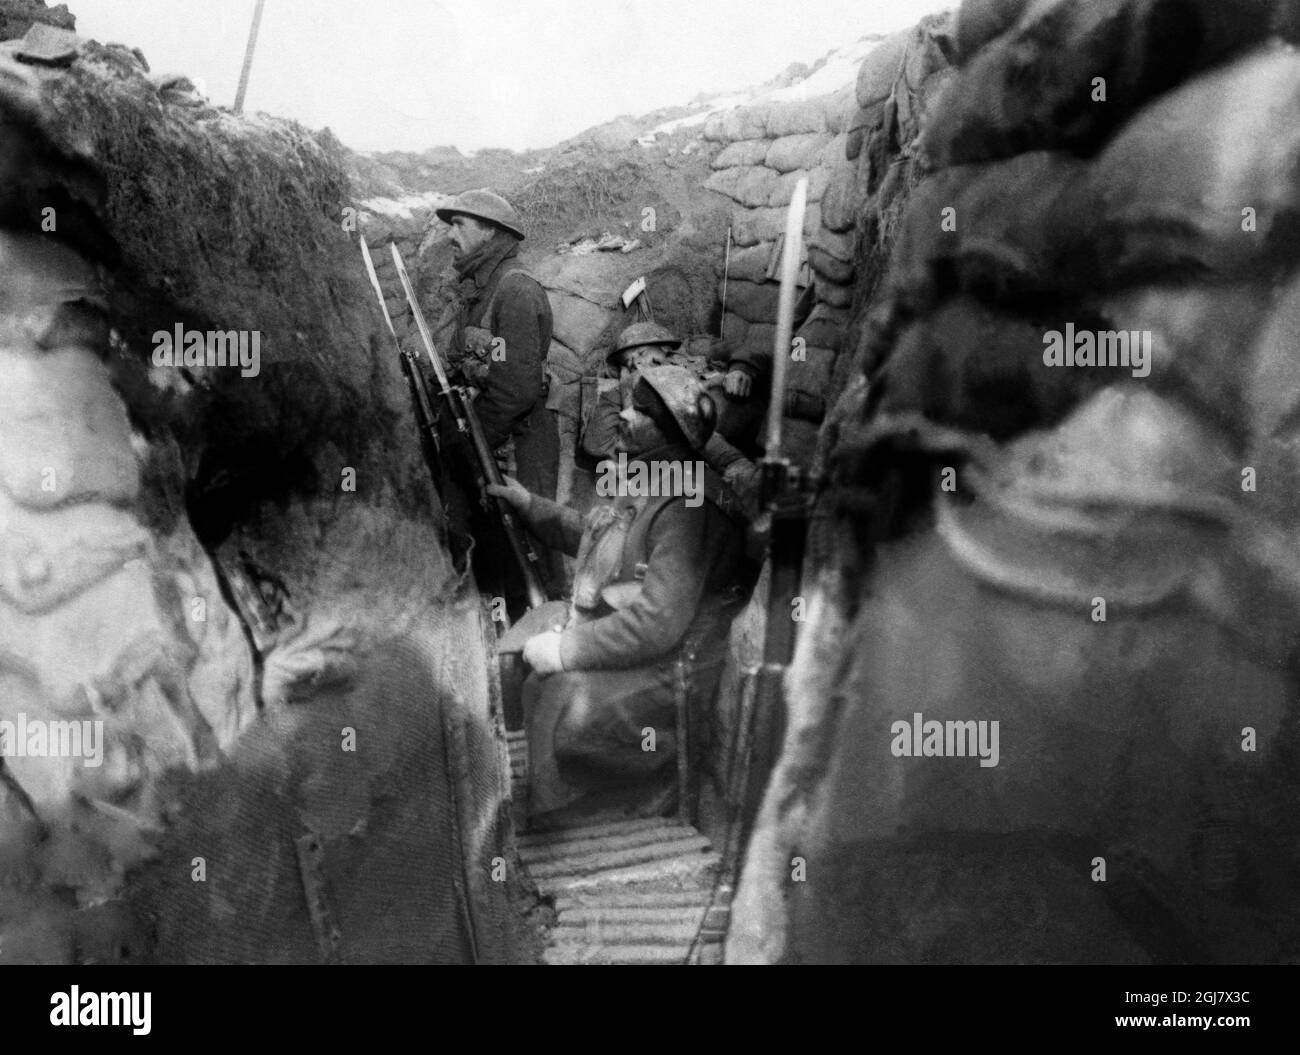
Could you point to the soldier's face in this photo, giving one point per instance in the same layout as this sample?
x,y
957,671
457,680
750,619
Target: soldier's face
x,y
651,355
645,355
637,432
468,233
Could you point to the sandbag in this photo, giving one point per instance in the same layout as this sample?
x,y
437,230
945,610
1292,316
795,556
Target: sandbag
x,y
840,107
767,224
748,264
745,152
1272,399
973,366
1169,195
832,293
1033,88
745,122
832,153
925,51
796,152
751,186
724,181
1007,241
880,68
825,327
854,142
979,21
734,335
578,323
564,364
1272,381
795,117
881,146
829,267
753,301
714,130
838,203
783,187
838,246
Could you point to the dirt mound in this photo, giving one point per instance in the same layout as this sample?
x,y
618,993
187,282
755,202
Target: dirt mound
x,y
17,16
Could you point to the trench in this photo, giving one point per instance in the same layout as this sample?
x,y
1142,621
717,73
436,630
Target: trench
x,y
247,578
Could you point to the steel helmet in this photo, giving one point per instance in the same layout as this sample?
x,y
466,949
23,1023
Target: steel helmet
x,y
483,205
641,335
690,405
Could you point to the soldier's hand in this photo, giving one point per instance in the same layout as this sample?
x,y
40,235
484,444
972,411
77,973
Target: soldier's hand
x,y
542,652
475,373
738,384
513,492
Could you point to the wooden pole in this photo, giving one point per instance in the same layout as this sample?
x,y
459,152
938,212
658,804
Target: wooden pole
x,y
248,57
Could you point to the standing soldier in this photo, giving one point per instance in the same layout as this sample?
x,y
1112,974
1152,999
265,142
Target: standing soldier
x,y
502,332
657,580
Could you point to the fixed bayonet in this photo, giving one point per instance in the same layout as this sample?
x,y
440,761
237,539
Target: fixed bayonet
x,y
467,422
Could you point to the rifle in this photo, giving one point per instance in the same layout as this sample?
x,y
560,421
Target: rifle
x,y
760,722
468,425
419,393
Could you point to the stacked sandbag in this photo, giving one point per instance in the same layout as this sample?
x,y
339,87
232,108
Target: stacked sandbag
x,y
1098,557
768,147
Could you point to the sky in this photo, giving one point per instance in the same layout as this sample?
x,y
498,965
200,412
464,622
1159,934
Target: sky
x,y
411,74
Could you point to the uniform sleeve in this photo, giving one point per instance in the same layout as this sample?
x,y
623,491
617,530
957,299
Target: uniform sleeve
x,y
755,360
738,472
600,431
514,383
681,555
558,526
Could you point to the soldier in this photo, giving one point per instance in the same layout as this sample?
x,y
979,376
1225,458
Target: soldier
x,y
639,345
657,580
501,331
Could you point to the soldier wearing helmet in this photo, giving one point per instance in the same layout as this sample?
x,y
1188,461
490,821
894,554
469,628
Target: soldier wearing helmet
x,y
642,344
501,333
656,582
639,345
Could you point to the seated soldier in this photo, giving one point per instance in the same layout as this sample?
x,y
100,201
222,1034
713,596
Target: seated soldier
x,y
657,579
639,345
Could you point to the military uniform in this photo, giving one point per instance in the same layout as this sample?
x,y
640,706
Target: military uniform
x,y
500,303
499,328
655,586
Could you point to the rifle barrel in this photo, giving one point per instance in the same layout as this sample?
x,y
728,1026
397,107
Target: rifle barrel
x,y
467,421
423,326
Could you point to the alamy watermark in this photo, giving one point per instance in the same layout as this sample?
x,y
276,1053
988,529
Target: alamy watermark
x,y
951,739
75,1008
38,738
182,347
1123,348
619,478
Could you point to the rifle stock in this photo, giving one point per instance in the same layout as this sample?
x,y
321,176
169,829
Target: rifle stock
x,y
462,408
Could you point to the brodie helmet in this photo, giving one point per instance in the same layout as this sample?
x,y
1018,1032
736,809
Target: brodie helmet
x,y
483,205
642,335
690,405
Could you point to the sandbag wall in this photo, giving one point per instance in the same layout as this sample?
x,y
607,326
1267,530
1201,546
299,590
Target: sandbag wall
x,y
766,148
1095,167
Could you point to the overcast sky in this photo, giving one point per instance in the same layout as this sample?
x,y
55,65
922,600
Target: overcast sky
x,y
410,74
